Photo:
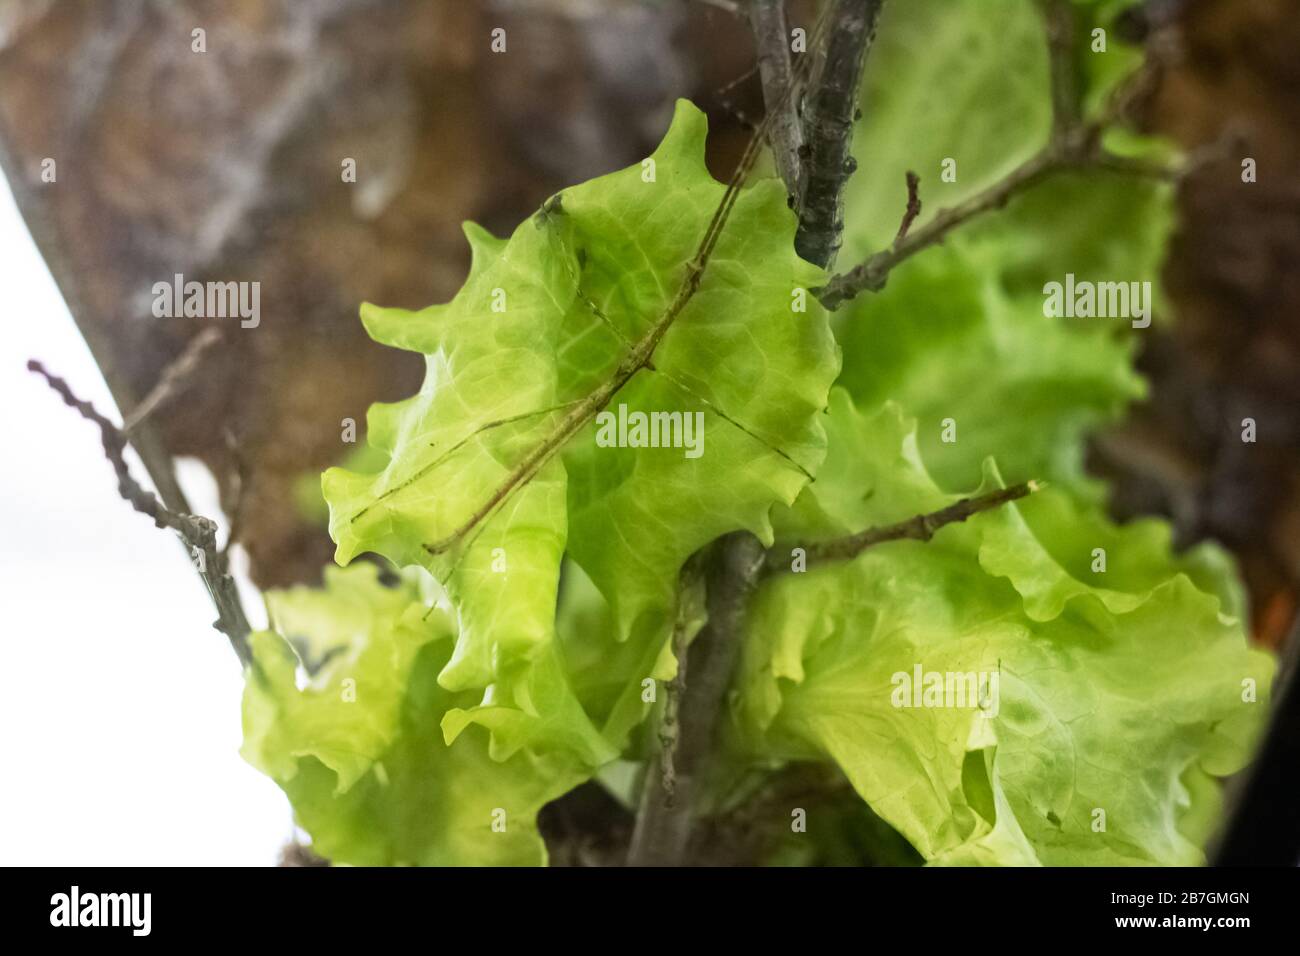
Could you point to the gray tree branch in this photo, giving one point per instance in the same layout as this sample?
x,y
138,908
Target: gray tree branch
x,y
173,379
830,109
199,533
146,441
772,39
666,817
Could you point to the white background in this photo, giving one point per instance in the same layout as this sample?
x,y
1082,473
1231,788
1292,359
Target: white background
x,y
119,704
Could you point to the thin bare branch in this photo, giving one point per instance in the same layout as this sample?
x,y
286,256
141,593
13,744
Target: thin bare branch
x,y
918,528
457,446
913,207
147,442
670,726
609,323
666,820
661,774
175,377
772,39
870,276
199,533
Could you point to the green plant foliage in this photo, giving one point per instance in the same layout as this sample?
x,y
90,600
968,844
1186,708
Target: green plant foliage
x,y
521,651
360,749
576,285
1111,689
581,281
959,332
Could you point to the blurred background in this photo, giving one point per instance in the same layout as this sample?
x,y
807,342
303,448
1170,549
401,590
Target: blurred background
x,y
120,724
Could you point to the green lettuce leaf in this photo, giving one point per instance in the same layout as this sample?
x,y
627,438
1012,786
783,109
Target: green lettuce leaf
x,y
959,333
543,320
359,748
1115,693
945,80
1103,701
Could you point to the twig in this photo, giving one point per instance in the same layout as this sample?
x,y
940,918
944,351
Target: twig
x,y
918,528
772,39
665,821
913,207
870,275
716,409
723,96
661,773
670,726
196,531
174,377
1081,153
830,110
41,223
